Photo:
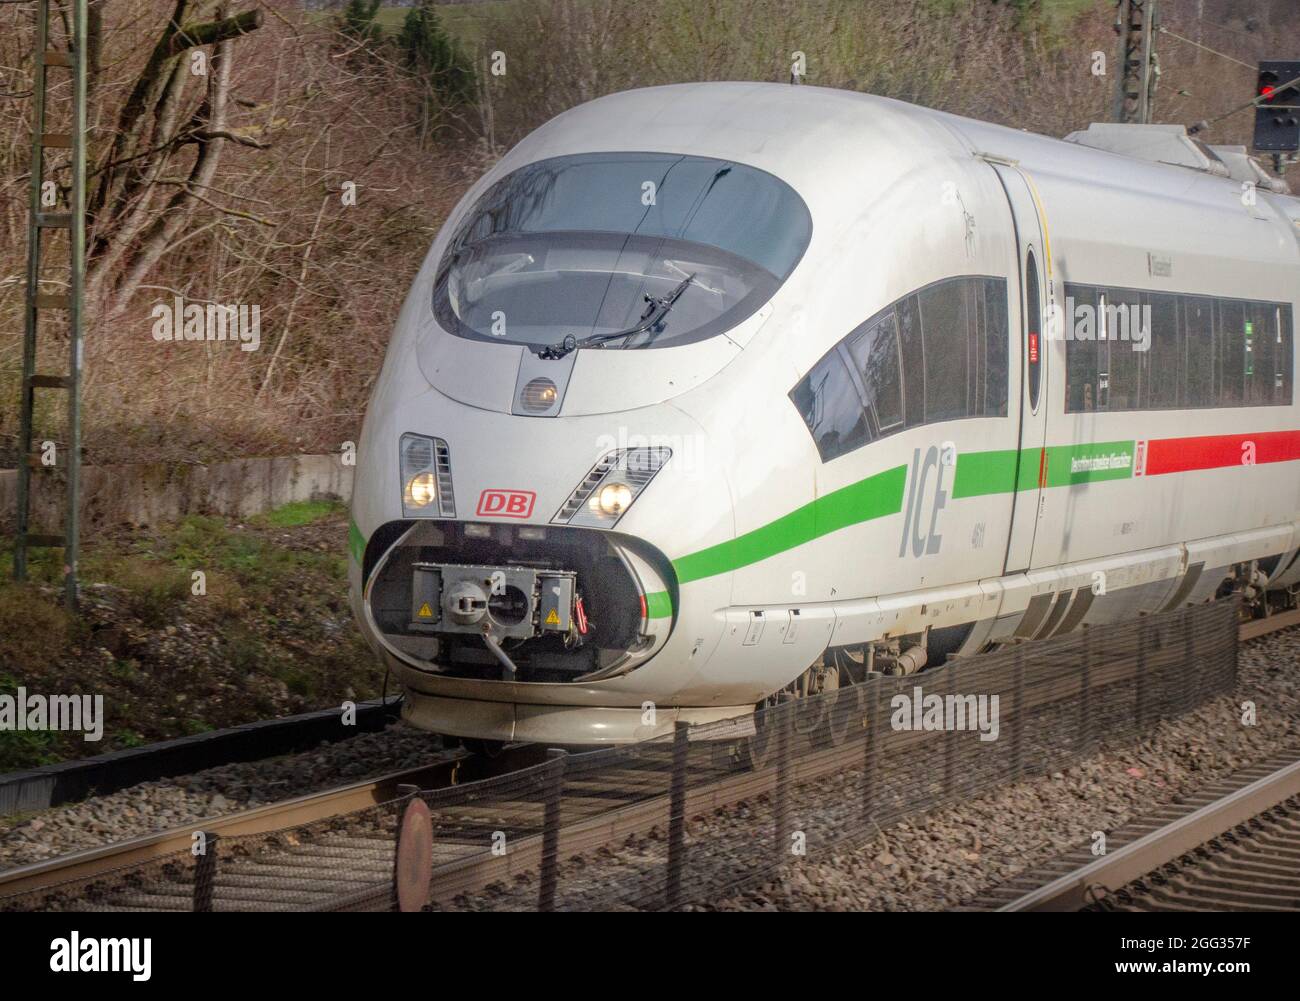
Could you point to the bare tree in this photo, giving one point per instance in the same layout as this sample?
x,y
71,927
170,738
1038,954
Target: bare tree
x,y
133,220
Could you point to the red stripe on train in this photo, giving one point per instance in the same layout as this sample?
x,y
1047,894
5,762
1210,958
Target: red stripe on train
x,y
1217,451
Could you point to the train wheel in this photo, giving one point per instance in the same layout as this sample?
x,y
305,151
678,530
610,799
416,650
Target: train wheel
x,y
840,697
825,721
758,751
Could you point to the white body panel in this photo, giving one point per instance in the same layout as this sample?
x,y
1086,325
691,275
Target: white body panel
x,y
878,178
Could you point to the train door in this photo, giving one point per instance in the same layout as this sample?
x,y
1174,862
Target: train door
x,y
1031,291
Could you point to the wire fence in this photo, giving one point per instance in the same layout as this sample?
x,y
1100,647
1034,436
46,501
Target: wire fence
x,y
710,810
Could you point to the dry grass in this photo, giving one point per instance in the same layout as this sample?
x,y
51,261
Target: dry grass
x,y
328,277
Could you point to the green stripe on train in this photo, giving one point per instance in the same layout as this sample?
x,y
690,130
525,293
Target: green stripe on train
x,y
982,473
1070,465
658,605
356,542
874,497
978,474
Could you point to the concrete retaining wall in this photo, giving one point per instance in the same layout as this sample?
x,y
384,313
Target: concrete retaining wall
x,y
155,494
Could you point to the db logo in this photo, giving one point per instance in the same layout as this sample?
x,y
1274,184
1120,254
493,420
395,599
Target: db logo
x,y
506,503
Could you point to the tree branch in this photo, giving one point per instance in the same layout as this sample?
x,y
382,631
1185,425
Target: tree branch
x,y
214,31
205,135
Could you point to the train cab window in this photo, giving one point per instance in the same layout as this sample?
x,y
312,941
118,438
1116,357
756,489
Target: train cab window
x,y
1033,327
573,245
829,402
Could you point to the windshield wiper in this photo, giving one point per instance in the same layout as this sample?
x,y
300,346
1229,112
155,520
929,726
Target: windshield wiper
x,y
655,311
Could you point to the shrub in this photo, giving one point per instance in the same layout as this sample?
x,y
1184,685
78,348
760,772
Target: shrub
x,y
445,73
153,591
33,627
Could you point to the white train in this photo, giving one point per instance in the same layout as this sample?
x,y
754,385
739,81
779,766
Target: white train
x,y
713,392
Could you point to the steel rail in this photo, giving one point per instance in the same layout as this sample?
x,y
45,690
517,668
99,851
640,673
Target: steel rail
x,y
1269,624
475,872
304,809
1077,889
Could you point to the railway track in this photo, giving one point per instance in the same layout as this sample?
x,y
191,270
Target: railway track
x,y
73,781
335,850
344,858
297,871
1252,867
1234,845
609,828
1255,628
1080,881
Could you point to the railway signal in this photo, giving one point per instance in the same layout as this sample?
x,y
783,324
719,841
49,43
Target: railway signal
x,y
1277,106
1136,24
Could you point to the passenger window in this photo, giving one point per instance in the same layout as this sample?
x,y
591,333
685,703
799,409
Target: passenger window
x,y
1198,351
1122,315
1261,351
1161,365
874,382
1081,351
913,356
1033,327
1232,353
875,355
994,338
1283,358
1201,352
945,321
972,291
831,407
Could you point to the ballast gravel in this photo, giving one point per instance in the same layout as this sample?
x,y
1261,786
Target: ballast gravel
x,y
951,856
174,802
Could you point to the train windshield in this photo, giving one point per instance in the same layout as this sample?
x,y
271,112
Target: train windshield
x,y
585,246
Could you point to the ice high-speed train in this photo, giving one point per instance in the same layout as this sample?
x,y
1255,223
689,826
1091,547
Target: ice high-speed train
x,y
712,392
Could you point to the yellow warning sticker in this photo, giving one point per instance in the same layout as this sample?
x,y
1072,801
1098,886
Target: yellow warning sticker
x,y
425,611
552,619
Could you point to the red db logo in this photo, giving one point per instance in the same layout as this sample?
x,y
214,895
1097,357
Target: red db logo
x,y
506,503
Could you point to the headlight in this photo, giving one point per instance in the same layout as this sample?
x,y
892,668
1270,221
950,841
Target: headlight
x,y
422,490
610,488
539,396
425,465
612,500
